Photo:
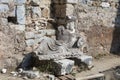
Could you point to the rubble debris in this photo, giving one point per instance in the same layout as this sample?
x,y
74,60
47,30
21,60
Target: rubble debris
x,y
4,71
14,73
30,74
51,77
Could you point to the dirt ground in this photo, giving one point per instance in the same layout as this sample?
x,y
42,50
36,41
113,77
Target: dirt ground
x,y
101,65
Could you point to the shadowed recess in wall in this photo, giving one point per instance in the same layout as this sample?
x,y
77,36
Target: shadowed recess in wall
x,y
115,46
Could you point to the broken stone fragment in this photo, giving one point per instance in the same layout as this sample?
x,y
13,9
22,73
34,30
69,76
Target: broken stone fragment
x,y
14,73
51,77
87,60
63,67
4,71
30,74
105,4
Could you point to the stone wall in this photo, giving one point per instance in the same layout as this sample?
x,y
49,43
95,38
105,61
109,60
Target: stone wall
x,y
99,19
33,19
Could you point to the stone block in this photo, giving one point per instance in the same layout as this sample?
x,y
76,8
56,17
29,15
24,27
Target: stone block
x,y
30,42
39,35
21,14
18,27
87,60
63,67
36,12
20,2
47,32
4,1
4,8
29,35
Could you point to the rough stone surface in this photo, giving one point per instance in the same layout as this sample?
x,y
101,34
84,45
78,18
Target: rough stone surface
x,y
19,27
105,5
29,35
63,67
21,14
30,42
4,21
36,12
86,59
66,1
4,1
4,8
20,2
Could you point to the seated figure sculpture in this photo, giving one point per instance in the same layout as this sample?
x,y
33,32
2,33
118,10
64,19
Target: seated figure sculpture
x,y
66,45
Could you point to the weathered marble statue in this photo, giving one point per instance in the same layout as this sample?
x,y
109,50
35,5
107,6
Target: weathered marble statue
x,y
67,45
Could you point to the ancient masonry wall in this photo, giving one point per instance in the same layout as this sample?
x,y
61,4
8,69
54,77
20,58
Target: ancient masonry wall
x,y
33,19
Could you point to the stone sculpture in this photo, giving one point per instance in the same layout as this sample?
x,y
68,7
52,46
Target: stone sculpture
x,y
66,45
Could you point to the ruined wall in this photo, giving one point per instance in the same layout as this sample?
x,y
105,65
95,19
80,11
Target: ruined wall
x,y
99,19
24,22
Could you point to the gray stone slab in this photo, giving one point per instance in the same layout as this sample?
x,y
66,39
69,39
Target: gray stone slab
x,y
4,8
4,1
63,66
21,14
29,35
20,2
